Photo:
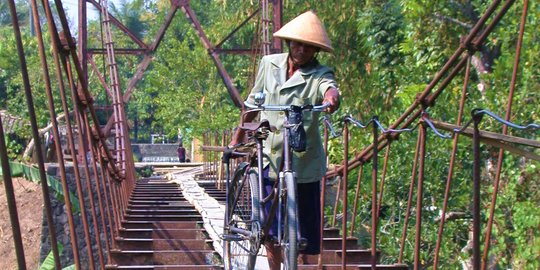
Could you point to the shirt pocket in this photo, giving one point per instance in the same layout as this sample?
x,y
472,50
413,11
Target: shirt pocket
x,y
271,95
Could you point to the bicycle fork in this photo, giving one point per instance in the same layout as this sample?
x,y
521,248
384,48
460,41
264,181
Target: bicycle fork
x,y
287,177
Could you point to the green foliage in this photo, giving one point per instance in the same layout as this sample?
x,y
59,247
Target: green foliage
x,y
12,92
14,148
49,263
145,171
517,215
425,38
23,12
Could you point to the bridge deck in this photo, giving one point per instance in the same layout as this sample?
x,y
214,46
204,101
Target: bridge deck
x,y
175,222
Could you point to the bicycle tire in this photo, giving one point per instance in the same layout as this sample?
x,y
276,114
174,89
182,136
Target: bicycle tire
x,y
243,213
290,238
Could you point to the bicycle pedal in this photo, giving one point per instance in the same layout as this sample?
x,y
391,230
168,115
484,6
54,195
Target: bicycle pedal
x,y
302,243
232,237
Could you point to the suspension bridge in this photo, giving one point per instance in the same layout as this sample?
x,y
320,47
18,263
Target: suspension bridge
x,y
174,219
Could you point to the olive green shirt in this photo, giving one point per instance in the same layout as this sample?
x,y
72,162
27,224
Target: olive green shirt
x,y
306,86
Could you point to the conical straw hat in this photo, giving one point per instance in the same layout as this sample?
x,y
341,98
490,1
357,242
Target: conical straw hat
x,y
306,28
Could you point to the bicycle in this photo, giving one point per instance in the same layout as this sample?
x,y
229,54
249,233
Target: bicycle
x,y
246,225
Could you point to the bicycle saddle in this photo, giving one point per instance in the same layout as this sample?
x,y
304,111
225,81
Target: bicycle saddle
x,y
254,126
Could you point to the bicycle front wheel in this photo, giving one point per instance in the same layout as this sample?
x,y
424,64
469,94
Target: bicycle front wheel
x,y
290,225
242,221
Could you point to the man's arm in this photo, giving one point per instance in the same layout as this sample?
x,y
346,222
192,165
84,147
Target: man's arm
x,y
332,97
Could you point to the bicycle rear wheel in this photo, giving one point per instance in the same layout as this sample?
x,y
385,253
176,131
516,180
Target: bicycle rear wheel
x,y
290,225
242,221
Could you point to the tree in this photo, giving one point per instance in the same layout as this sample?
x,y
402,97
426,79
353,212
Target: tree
x,y
23,12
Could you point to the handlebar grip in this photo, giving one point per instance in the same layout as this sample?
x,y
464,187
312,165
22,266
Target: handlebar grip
x,y
251,106
321,107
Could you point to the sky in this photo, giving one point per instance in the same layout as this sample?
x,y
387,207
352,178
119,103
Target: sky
x,y
71,7
71,10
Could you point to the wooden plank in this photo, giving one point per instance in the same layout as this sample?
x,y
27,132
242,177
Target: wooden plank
x,y
505,142
488,135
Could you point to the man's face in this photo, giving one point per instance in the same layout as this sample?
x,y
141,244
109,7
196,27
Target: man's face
x,y
301,53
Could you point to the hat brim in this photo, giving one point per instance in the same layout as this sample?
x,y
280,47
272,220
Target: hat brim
x,y
323,47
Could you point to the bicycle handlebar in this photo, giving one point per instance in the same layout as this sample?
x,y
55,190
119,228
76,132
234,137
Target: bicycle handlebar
x,y
316,108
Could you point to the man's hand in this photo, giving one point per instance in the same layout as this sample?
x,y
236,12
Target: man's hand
x,y
331,97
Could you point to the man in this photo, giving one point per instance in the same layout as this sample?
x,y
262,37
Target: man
x,y
297,78
181,153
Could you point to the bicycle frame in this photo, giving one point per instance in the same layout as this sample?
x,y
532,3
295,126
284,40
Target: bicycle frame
x,y
287,168
282,201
